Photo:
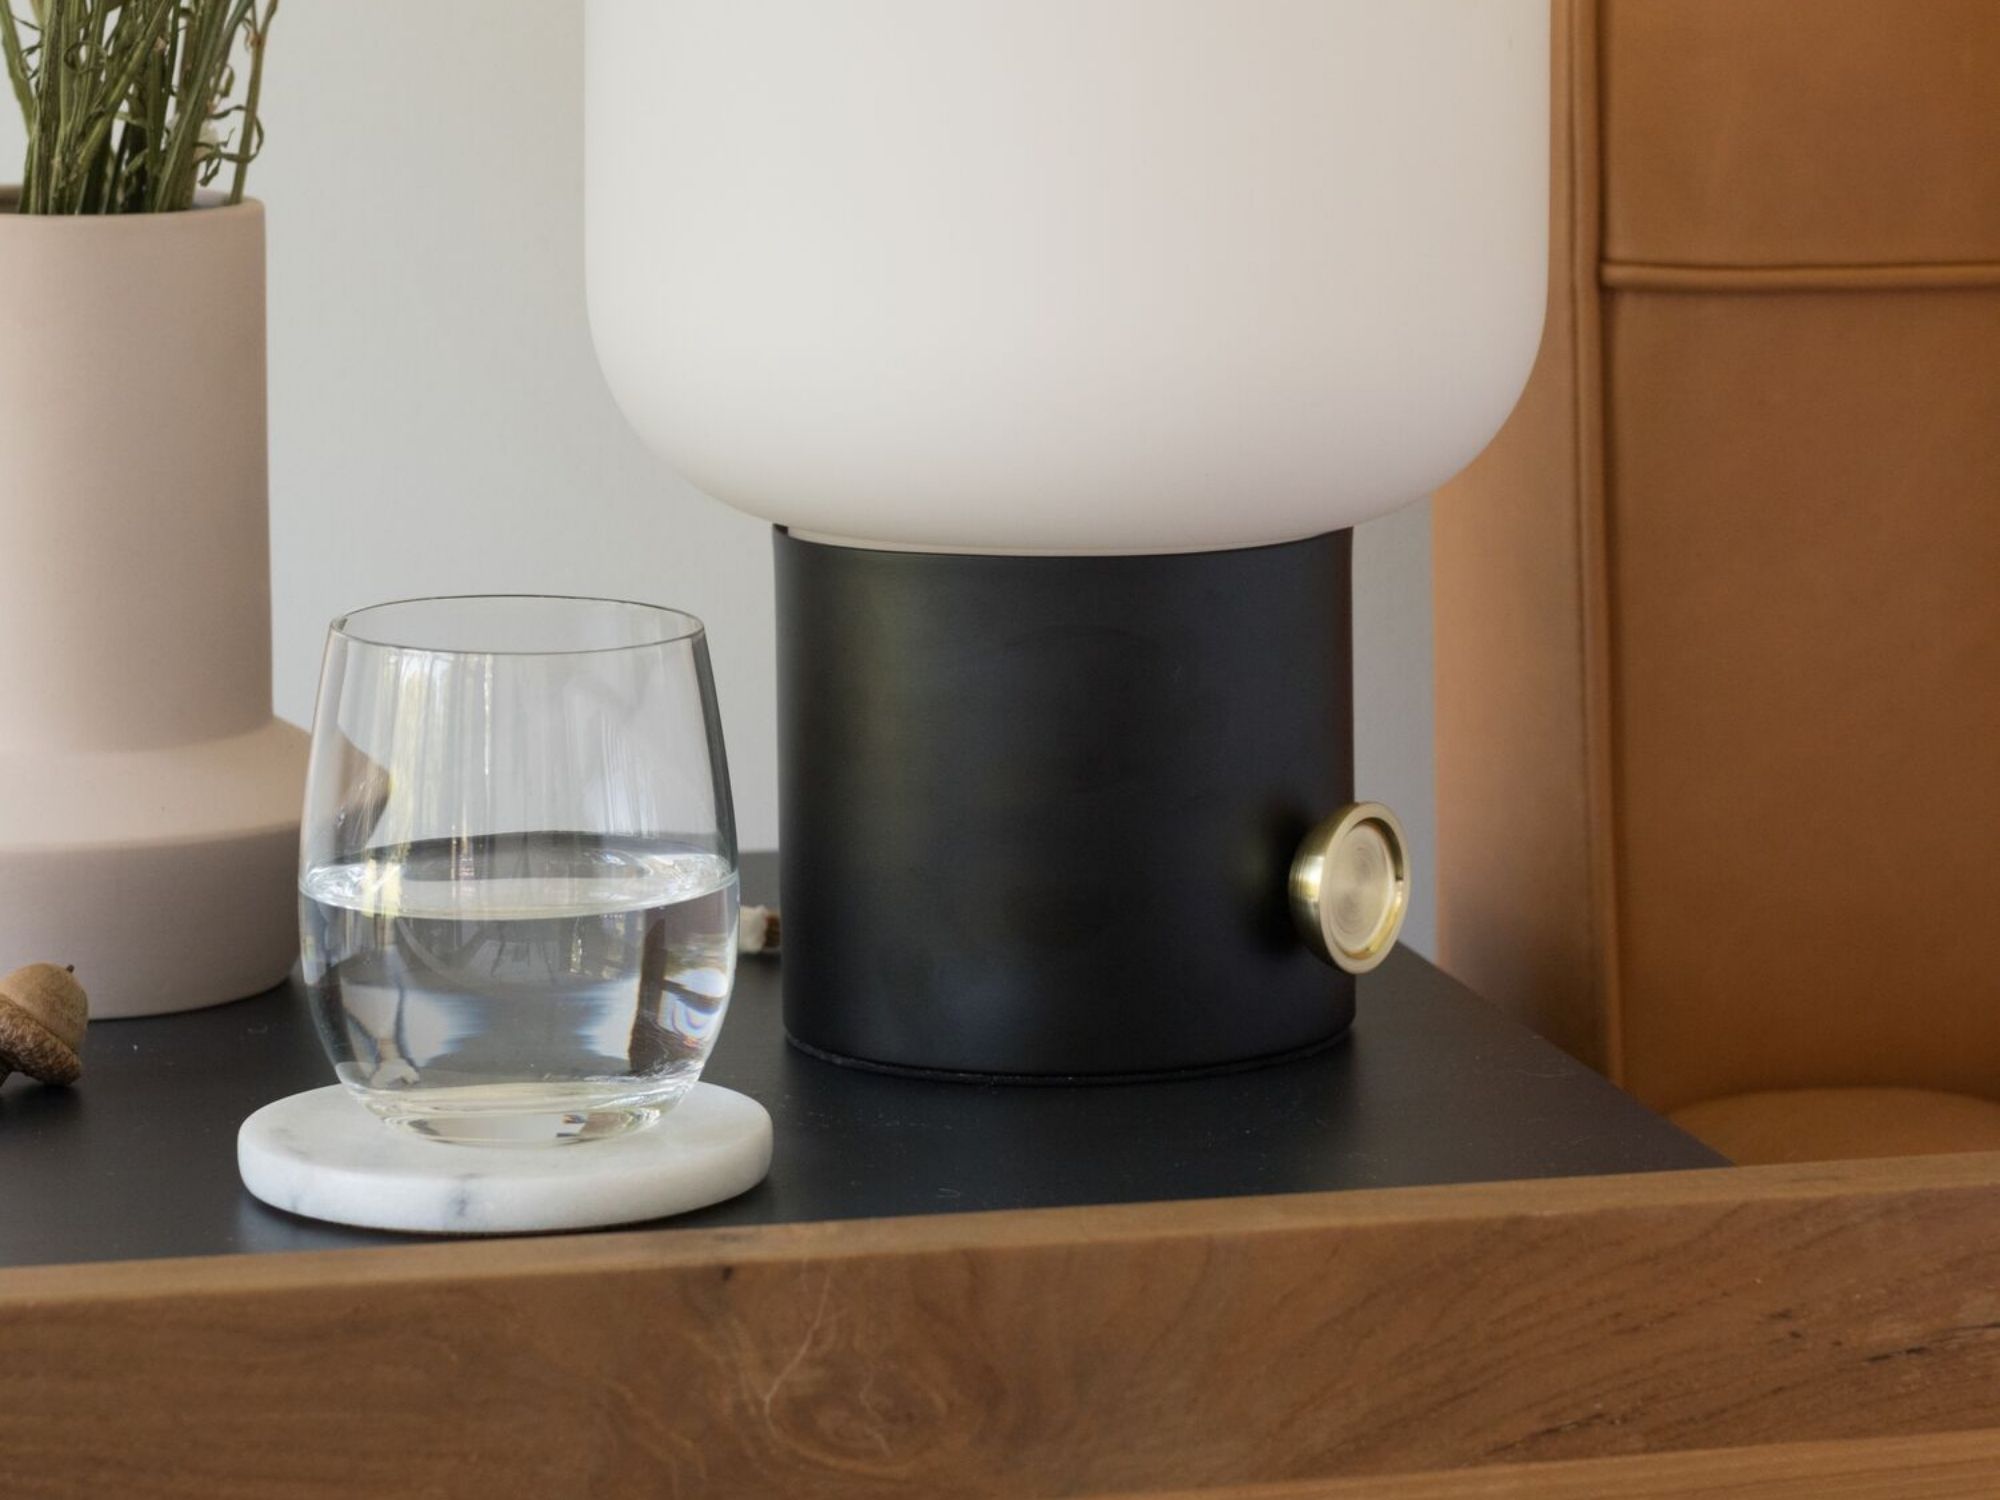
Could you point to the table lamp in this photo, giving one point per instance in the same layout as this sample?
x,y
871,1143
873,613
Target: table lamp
x,y
1064,342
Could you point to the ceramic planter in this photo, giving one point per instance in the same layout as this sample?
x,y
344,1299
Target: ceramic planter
x,y
149,801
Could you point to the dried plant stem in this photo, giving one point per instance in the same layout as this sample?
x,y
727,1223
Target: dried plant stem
x,y
126,101
253,130
17,63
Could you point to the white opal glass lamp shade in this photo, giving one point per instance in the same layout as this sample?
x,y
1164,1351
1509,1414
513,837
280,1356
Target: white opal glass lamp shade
x,y
1067,275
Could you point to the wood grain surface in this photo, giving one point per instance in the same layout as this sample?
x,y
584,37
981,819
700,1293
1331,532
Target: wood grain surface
x,y
1071,1352
1949,1466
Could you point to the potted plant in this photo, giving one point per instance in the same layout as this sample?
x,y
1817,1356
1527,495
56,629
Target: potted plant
x,y
148,798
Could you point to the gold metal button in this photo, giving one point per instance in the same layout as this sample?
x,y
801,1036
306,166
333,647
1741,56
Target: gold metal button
x,y
1350,886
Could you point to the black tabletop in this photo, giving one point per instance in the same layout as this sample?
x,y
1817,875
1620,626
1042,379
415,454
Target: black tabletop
x,y
1433,1086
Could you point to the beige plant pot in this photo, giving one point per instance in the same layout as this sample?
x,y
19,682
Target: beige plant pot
x,y
149,801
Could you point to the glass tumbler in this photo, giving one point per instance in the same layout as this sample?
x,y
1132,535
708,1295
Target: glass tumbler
x,y
517,873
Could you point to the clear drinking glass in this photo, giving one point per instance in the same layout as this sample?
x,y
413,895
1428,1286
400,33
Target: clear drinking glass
x,y
517,874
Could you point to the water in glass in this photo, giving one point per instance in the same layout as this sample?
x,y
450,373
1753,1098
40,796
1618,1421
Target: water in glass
x,y
452,981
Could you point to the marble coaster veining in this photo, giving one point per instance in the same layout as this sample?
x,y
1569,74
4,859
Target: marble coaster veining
x,y
322,1154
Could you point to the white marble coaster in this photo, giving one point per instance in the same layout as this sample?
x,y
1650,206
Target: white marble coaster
x,y
322,1154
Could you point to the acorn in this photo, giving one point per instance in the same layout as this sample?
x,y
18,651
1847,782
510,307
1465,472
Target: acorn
x,y
43,1011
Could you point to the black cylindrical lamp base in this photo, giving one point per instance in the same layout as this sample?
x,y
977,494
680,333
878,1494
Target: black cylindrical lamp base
x,y
1037,813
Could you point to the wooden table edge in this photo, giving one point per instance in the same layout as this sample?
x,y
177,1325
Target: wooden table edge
x,y
1938,1466
1239,1219
1141,1348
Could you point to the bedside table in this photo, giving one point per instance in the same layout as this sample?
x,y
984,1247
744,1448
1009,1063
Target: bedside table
x,y
1436,1249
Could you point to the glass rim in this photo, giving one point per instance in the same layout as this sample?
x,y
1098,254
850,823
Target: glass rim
x,y
678,625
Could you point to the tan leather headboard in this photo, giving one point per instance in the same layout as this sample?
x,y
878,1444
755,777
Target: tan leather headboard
x,y
1718,616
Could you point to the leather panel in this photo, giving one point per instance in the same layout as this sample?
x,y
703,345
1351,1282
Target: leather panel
x,y
1804,569
1801,132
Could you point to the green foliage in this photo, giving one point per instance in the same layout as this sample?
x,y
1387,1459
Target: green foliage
x,y
128,102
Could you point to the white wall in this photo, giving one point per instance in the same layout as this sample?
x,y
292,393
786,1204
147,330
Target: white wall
x,y
1395,760
438,423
